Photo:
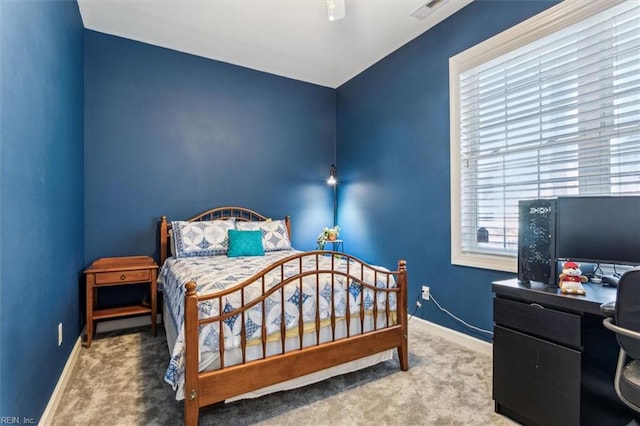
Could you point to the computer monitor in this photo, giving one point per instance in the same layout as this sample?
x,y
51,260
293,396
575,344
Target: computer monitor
x,y
599,229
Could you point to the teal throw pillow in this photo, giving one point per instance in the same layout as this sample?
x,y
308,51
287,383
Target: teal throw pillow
x,y
245,243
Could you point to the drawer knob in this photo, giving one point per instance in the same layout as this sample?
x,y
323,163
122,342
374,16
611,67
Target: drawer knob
x,y
536,305
123,277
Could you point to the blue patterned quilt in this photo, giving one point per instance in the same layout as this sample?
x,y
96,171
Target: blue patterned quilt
x,y
216,273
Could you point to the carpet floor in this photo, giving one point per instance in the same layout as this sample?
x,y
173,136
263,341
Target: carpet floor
x,y
119,381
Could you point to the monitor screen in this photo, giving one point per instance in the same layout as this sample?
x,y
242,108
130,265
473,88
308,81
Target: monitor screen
x,y
599,229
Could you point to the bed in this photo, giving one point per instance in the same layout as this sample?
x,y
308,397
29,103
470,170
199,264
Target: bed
x,y
241,323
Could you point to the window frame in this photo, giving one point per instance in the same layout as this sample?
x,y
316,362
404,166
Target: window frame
x,y
547,22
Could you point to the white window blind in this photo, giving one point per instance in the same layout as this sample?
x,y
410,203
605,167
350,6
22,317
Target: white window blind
x,y
558,115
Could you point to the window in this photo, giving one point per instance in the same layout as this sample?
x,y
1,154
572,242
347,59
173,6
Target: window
x,y
548,108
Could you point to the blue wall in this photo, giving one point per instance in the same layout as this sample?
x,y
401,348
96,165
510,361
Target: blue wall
x,y
168,133
41,195
174,134
393,153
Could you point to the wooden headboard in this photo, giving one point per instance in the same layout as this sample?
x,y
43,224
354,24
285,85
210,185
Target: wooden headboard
x,y
218,213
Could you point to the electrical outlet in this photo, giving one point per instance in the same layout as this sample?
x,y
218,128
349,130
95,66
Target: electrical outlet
x,y
425,292
59,334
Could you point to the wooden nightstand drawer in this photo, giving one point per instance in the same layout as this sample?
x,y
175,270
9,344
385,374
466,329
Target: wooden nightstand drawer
x,y
122,277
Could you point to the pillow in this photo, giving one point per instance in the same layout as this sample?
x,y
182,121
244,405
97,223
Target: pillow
x,y
274,233
245,243
203,238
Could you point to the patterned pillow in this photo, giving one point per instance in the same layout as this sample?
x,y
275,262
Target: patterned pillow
x,y
245,243
274,233
204,238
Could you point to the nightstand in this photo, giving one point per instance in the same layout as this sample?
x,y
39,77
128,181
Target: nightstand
x,y
111,271
338,245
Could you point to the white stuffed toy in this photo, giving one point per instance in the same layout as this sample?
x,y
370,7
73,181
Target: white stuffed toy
x,y
571,279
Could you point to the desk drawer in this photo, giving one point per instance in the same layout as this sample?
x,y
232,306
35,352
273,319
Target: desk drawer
x,y
122,277
557,326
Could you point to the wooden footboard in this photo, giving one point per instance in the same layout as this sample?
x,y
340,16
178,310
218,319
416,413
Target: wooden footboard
x,y
386,327
206,388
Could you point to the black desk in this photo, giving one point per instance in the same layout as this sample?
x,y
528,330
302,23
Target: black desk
x,y
553,360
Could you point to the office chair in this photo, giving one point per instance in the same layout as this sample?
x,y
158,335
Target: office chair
x,y
627,328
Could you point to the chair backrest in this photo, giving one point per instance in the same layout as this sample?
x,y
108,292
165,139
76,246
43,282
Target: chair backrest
x,y
628,310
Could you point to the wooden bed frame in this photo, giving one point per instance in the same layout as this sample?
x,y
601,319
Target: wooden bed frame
x,y
210,387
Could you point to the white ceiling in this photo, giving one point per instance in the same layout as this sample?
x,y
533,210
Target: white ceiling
x,y
291,38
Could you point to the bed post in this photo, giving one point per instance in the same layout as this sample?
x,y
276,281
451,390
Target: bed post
x,y
191,388
287,222
163,239
403,349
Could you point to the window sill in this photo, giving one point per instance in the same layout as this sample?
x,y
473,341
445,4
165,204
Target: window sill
x,y
485,261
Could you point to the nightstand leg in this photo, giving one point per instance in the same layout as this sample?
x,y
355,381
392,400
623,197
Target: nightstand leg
x,y
154,302
90,305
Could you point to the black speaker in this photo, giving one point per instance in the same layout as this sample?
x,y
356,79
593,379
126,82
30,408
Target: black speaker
x,y
537,241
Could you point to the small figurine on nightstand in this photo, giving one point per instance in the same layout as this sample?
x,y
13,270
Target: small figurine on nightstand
x,y
571,279
327,235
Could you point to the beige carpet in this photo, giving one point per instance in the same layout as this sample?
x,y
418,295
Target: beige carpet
x,y
119,381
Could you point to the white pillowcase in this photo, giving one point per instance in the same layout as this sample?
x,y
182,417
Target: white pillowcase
x,y
274,233
201,238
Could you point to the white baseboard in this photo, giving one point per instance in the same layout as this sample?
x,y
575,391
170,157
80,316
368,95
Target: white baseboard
x,y
54,401
454,336
124,323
